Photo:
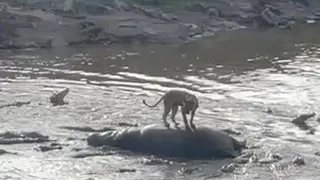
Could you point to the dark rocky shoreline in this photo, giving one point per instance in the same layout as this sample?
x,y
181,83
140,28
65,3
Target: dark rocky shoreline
x,y
55,23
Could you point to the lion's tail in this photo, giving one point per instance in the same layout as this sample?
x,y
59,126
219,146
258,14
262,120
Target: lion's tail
x,y
151,106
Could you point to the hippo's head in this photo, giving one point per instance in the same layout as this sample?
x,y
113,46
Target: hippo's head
x,y
100,139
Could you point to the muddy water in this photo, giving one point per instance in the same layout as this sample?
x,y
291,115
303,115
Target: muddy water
x,y
237,77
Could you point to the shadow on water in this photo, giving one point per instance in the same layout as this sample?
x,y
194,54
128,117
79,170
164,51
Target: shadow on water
x,y
237,76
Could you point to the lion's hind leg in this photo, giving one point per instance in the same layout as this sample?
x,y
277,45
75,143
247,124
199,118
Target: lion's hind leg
x,y
174,111
165,114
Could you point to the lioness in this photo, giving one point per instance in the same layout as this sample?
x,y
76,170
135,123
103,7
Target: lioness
x,y
172,100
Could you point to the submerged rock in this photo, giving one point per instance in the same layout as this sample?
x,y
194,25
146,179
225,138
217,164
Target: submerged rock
x,y
187,170
299,161
47,44
123,170
269,110
23,137
311,131
58,97
228,168
153,13
128,124
87,129
17,104
2,152
155,161
254,158
276,156
231,131
247,154
270,158
302,118
158,140
48,148
241,160
52,146
90,154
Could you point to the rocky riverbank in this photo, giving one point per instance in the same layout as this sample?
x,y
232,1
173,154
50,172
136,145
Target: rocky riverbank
x,y
56,23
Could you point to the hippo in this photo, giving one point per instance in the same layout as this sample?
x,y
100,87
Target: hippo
x,y
156,139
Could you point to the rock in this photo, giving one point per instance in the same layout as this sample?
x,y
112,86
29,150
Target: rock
x,y
156,161
90,41
155,139
269,111
23,137
124,170
247,154
121,5
276,156
214,12
47,44
48,148
68,6
299,161
270,17
2,152
196,7
317,153
254,158
128,124
57,98
266,161
188,171
127,26
70,15
153,13
17,104
4,6
311,131
34,135
10,23
92,31
270,158
301,119
288,25
90,154
244,158
89,7
241,160
228,168
231,131
254,146
87,129
85,24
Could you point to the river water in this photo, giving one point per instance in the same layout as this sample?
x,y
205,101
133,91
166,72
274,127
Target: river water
x,y
237,77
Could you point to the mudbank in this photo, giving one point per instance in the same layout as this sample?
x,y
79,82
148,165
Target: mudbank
x,y
51,23
155,139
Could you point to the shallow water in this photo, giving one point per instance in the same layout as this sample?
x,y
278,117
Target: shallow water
x,y
236,76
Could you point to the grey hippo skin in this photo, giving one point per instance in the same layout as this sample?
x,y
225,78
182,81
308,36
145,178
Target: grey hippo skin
x,y
155,139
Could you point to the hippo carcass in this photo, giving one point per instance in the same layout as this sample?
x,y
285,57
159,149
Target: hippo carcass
x,y
155,139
